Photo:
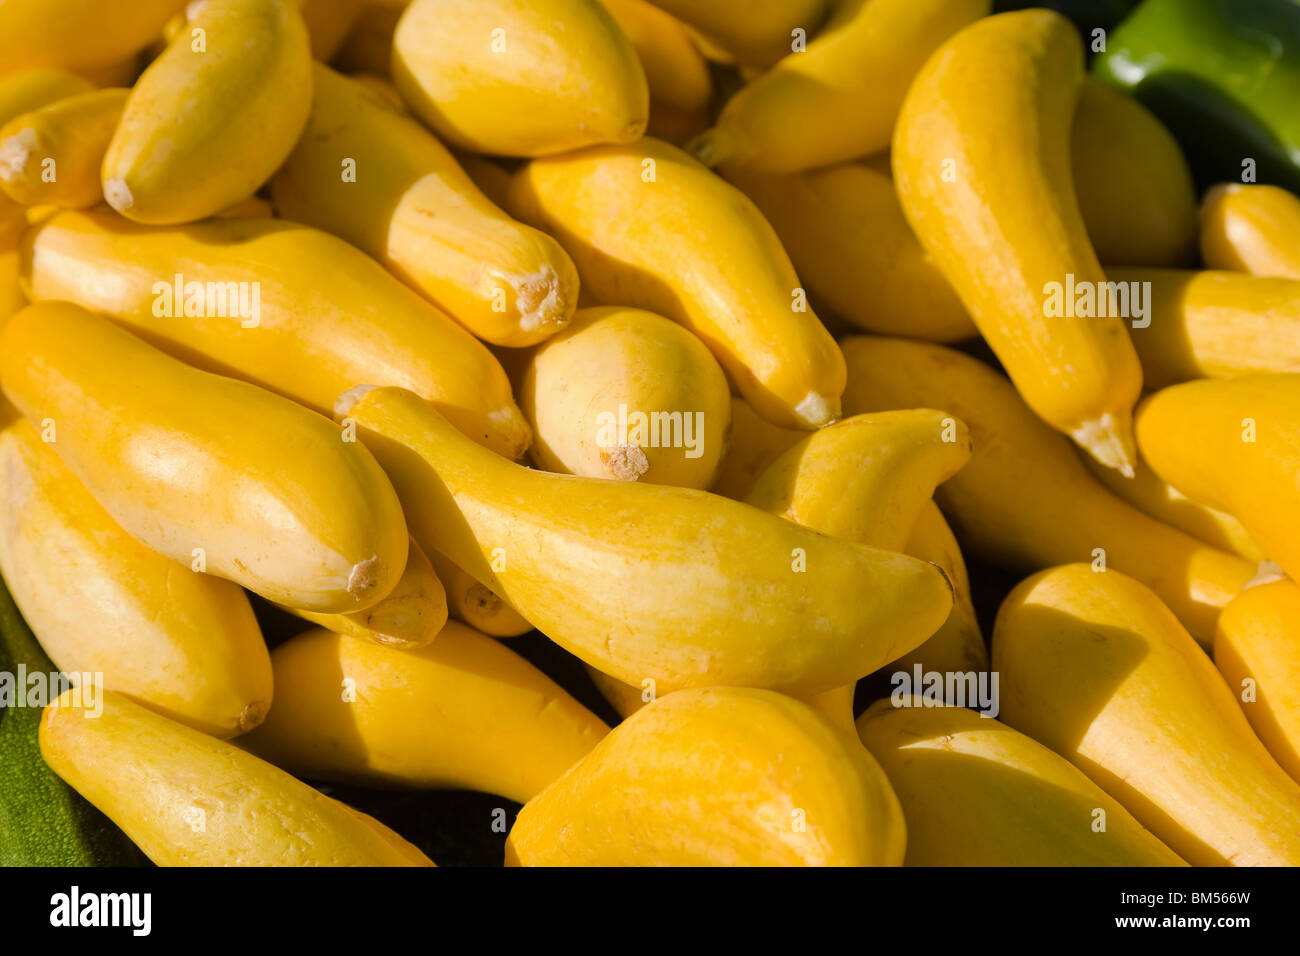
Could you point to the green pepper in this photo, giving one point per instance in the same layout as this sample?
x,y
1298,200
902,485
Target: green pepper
x,y
1223,76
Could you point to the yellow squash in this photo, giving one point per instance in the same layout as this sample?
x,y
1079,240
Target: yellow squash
x,y
1162,501
314,318
1095,667
838,99
520,77
463,713
649,581
410,616
369,47
1134,186
627,394
975,792
676,74
1251,228
958,646
867,478
1215,324
21,93
650,227
476,604
78,34
51,156
1025,500
1233,444
329,22
184,644
186,799
760,34
851,244
378,179
981,159
754,443
217,474
716,777
624,698
1257,650
11,292
210,120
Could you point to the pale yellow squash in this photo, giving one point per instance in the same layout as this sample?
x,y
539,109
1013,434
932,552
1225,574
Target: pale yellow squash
x,y
1257,650
759,35
1215,324
1095,667
1025,500
753,444
1233,444
78,34
630,395
716,777
327,317
476,604
101,603
187,799
838,99
676,74
981,158
520,77
1251,228
649,581
214,115
464,713
378,179
975,792
215,473
51,156
650,227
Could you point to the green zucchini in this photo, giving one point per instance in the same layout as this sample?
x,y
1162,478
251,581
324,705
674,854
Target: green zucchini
x,y
43,821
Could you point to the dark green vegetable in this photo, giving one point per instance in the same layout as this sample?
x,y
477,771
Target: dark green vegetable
x,y
1223,76
43,821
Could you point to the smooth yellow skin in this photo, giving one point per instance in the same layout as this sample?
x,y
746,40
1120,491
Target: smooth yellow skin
x,y
1134,186
838,99
1259,639
1251,228
411,616
611,358
1095,667
958,646
676,73
1215,325
475,604
21,93
691,247
753,444
520,77
183,459
864,479
647,581
11,292
463,713
757,35
330,317
184,644
187,799
975,792
720,776
993,106
1197,436
1025,500
851,245
73,135
867,478
78,34
415,210
205,128
1162,501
